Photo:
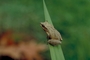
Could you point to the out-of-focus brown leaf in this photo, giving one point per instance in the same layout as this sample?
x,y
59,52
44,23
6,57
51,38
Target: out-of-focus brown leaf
x,y
6,38
11,51
32,50
29,50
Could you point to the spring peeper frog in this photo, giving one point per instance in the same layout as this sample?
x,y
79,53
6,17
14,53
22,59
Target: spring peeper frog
x,y
52,34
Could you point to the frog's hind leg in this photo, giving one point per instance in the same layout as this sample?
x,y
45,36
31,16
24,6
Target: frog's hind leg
x,y
54,42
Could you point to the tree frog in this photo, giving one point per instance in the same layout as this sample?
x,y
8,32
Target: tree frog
x,y
53,35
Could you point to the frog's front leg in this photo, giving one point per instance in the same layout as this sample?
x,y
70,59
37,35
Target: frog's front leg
x,y
54,42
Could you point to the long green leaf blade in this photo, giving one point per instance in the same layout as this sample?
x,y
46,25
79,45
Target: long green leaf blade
x,y
55,51
46,13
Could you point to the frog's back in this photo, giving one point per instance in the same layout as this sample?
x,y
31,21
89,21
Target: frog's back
x,y
59,35
54,34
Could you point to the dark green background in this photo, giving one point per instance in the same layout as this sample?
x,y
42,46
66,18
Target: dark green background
x,y
70,17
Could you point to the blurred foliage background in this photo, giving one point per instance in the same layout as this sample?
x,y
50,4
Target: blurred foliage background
x,y
70,17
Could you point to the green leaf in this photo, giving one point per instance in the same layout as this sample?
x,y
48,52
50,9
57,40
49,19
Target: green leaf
x,y
55,51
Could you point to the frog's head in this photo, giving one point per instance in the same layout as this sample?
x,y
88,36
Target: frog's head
x,y
44,25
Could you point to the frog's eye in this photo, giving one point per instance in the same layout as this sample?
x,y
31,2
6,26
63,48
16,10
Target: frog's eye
x,y
44,27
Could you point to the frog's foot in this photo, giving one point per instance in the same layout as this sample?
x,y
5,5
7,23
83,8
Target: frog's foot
x,y
54,42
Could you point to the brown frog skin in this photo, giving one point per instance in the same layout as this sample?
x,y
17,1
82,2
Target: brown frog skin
x,y
53,35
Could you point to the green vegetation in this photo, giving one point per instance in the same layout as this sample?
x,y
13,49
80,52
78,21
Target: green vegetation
x,y
70,17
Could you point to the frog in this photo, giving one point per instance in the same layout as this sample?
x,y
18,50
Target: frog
x,y
54,37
